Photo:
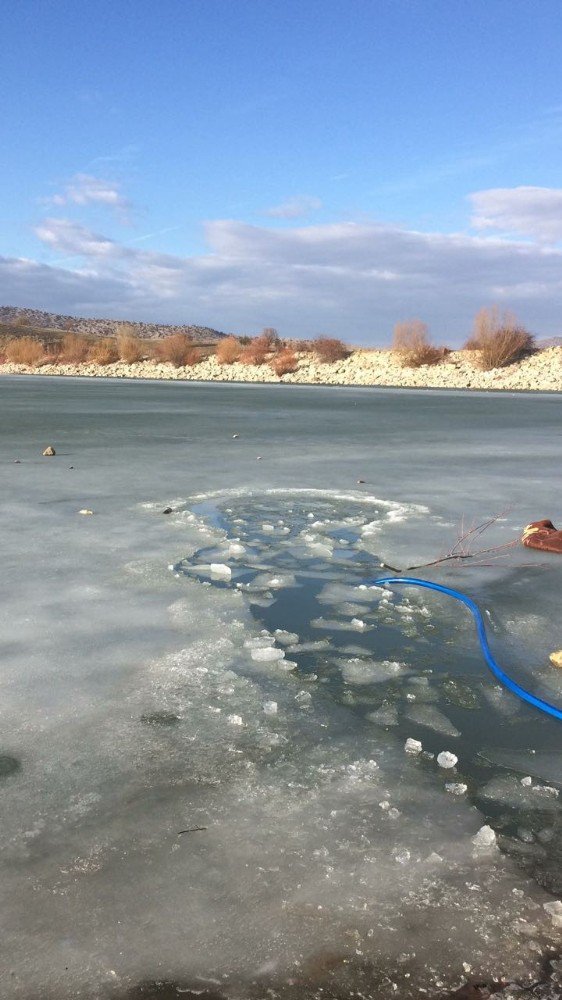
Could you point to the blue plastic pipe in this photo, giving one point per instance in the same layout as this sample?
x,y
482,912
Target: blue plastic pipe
x,y
511,685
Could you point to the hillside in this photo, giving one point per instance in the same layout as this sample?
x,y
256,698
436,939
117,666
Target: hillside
x,y
14,319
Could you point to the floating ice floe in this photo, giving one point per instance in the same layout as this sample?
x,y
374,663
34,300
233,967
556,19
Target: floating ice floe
x,y
369,671
432,718
413,746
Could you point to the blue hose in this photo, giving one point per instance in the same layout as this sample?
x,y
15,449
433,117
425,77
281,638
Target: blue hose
x,y
511,685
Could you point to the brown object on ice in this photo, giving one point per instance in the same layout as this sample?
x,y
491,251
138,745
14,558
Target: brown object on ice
x,y
542,535
556,658
49,451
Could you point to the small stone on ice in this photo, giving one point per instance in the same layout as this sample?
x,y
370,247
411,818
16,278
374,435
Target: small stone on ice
x,y
270,707
394,813
485,837
412,746
446,759
527,781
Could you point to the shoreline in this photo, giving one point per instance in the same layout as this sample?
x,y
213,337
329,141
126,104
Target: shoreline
x,y
539,372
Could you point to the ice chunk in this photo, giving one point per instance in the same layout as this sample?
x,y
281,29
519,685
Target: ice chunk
x,y
235,720
267,654
554,910
413,746
359,624
432,718
270,707
447,759
511,792
259,642
456,788
485,838
236,549
286,638
221,571
369,671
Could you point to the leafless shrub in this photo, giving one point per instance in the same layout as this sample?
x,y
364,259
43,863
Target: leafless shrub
x,y
412,346
463,550
129,346
103,351
256,352
284,363
228,351
24,351
499,339
329,349
73,349
178,349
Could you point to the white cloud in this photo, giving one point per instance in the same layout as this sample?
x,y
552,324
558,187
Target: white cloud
x,y
528,211
85,189
295,208
347,279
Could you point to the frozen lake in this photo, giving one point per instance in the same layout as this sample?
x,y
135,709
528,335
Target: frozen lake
x,y
202,768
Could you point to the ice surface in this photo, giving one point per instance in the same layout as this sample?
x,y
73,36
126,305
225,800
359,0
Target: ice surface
x,y
132,711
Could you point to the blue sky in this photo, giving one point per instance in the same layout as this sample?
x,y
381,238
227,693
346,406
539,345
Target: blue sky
x,y
321,167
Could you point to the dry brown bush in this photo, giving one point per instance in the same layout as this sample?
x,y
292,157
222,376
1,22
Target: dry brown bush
x,y
284,363
228,351
129,346
73,349
499,339
103,351
178,349
256,352
24,351
329,349
412,346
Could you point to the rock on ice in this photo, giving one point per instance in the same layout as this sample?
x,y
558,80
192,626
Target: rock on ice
x,y
413,746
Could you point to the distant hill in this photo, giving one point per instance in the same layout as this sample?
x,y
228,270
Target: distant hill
x,y
548,342
37,320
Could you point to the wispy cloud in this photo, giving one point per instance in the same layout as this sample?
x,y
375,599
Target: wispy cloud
x,y
295,208
85,189
527,211
349,279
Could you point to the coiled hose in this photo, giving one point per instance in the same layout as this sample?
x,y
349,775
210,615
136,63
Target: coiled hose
x,y
511,685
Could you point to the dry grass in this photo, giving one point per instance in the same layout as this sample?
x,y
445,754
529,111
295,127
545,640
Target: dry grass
x,y
103,351
24,351
73,349
129,346
178,349
329,349
228,351
499,339
256,352
284,363
412,346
